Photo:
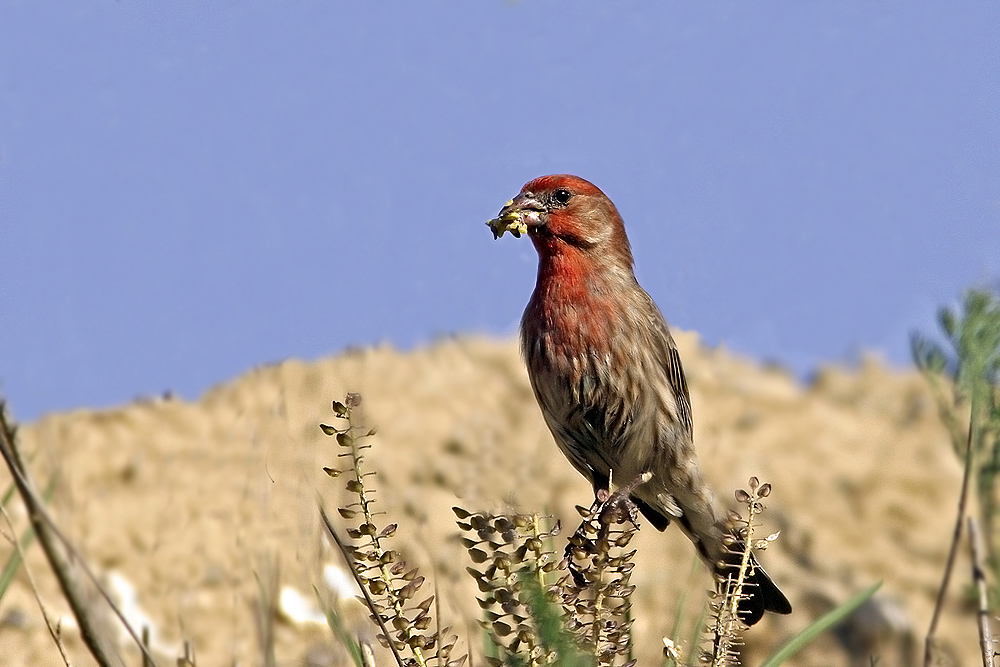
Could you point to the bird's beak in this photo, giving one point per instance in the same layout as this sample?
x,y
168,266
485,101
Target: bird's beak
x,y
517,215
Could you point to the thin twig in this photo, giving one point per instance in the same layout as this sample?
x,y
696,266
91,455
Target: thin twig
x,y
266,609
53,630
953,550
349,559
145,642
979,578
51,537
188,659
91,636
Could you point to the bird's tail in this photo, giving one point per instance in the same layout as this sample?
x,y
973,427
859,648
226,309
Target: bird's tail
x,y
760,594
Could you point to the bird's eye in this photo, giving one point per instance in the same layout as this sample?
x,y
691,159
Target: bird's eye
x,y
561,196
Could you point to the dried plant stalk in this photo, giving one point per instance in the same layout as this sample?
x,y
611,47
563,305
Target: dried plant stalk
x,y
390,588
734,580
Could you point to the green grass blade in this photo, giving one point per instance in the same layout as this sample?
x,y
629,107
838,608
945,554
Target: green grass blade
x,y
14,562
340,631
7,495
796,643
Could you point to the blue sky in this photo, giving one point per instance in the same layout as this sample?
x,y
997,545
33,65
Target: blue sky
x,y
190,189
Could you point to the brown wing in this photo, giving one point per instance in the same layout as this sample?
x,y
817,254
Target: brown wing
x,y
671,361
675,375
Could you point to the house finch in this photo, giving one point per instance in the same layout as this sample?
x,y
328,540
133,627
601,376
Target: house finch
x,y
606,372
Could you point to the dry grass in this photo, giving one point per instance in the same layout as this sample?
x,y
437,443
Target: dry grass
x,y
185,500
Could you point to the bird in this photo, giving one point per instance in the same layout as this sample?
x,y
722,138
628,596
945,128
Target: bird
x,y
606,373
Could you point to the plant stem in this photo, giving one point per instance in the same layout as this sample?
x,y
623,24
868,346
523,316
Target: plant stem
x,y
979,578
50,537
352,566
956,538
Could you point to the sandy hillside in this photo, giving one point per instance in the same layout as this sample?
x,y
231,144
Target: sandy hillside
x,y
194,503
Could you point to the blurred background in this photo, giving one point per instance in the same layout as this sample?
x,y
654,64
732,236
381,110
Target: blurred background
x,y
190,192
190,189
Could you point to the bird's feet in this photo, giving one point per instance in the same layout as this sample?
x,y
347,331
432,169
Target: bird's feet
x,y
618,507
607,509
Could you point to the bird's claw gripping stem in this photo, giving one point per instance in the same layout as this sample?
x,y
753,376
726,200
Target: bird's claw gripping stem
x,y
608,508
